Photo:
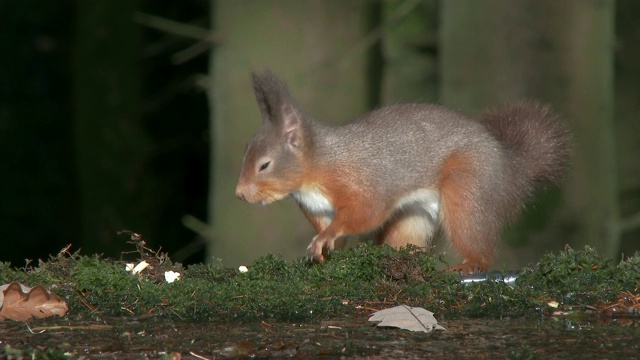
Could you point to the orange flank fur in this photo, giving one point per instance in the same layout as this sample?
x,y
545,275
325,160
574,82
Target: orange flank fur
x,y
459,191
355,212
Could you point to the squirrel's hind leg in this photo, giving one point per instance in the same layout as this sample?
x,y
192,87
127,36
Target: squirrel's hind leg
x,y
408,227
467,220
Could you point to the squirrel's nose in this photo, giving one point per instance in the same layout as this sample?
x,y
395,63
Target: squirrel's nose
x,y
239,193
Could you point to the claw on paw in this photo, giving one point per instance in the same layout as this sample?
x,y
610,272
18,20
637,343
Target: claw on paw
x,y
316,258
314,252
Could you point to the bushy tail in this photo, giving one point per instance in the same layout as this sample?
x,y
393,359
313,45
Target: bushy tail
x,y
535,138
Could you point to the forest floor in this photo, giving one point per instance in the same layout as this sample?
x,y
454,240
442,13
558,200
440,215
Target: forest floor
x,y
571,301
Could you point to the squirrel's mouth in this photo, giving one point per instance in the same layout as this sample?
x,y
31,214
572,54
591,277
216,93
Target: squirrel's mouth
x,y
258,194
270,199
264,199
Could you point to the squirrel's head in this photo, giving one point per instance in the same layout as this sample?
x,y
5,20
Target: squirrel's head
x,y
274,160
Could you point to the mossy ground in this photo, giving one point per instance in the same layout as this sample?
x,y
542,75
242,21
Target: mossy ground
x,y
356,281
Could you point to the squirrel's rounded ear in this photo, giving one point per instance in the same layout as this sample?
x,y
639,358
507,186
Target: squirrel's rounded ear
x,y
292,126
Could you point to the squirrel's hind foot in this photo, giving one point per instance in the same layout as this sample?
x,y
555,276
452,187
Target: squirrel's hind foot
x,y
467,268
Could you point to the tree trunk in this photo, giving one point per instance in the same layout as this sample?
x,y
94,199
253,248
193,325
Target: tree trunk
x,y
410,38
310,45
560,52
627,78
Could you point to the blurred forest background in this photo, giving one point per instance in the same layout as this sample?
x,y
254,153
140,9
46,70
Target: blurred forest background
x,y
133,114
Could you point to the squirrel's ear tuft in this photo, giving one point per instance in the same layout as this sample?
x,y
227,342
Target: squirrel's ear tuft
x,y
260,90
271,93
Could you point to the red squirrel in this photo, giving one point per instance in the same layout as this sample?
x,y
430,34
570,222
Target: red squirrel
x,y
403,171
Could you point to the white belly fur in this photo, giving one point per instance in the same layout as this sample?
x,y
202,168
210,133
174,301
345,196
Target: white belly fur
x,y
428,200
315,203
425,199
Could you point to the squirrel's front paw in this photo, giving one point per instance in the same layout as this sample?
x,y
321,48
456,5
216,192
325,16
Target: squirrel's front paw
x,y
314,250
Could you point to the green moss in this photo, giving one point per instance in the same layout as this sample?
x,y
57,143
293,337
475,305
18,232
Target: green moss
x,y
579,277
628,274
351,281
7,273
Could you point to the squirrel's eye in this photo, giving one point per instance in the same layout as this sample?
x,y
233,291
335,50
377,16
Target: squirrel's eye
x,y
264,166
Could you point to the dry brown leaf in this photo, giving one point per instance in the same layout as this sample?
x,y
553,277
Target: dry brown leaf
x,y
20,302
406,317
